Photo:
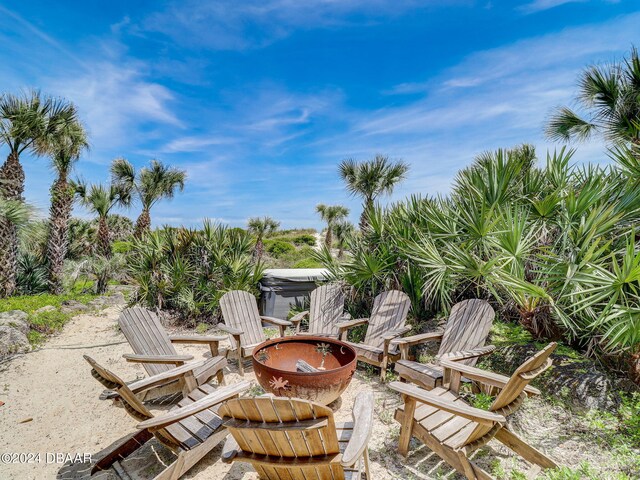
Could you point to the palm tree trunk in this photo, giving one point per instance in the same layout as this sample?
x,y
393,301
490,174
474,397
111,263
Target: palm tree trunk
x,y
58,241
11,187
328,238
364,218
259,249
104,242
143,224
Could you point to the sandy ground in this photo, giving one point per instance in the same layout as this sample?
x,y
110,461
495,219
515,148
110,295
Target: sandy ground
x,y
54,388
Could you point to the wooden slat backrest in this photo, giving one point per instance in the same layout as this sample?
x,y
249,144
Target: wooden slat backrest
x,y
467,327
147,336
287,428
240,310
325,309
514,389
389,313
526,372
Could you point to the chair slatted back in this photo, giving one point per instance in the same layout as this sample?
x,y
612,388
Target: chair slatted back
x,y
291,429
325,309
147,336
173,435
467,327
513,391
389,313
240,310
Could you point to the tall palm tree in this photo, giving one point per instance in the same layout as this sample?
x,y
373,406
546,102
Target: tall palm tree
x,y
610,96
65,151
150,185
261,227
100,199
371,179
331,214
27,123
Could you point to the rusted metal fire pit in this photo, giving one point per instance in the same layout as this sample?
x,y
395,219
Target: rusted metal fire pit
x,y
277,364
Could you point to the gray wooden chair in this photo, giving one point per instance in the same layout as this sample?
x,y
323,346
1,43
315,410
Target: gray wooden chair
x,y
326,310
387,322
243,323
297,439
191,429
453,429
154,349
466,331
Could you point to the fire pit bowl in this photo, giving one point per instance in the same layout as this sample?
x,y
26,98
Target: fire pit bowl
x,y
277,364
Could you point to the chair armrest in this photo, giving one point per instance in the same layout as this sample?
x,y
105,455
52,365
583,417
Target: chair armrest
x,y
276,321
229,330
362,414
457,408
230,450
220,395
296,319
417,339
164,377
467,354
351,323
197,338
157,358
391,334
484,376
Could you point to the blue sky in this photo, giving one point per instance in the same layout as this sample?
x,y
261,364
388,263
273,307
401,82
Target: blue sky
x,y
259,100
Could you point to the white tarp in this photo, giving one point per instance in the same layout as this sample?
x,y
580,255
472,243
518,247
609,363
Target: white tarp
x,y
296,274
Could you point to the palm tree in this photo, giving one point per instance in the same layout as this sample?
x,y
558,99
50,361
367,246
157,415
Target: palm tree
x,y
371,179
27,123
150,186
331,214
343,231
261,227
65,152
100,199
610,95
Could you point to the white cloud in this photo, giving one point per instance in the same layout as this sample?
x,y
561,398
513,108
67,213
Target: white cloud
x,y
540,5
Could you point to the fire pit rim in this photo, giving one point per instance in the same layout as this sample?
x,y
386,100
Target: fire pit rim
x,y
272,341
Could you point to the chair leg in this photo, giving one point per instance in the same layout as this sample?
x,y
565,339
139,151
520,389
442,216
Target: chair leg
x,y
220,377
523,449
365,457
407,425
383,368
240,365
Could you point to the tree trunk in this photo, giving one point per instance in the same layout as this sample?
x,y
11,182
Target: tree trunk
x,y
104,242
634,367
259,249
143,224
11,187
58,241
364,219
328,238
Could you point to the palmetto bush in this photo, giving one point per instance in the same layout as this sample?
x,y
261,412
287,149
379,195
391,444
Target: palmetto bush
x,y
554,247
187,271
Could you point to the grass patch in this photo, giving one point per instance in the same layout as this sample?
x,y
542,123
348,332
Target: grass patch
x,y
45,323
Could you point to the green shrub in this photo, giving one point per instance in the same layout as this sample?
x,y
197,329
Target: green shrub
x,y
304,239
307,263
121,247
278,248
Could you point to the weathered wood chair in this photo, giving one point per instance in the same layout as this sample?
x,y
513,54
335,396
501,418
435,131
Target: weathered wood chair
x,y
298,439
191,429
154,349
454,430
243,323
326,310
466,331
387,322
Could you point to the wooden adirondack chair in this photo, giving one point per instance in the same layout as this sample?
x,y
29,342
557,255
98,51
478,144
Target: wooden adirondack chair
x,y
154,348
386,323
191,429
326,310
243,323
454,430
298,439
466,331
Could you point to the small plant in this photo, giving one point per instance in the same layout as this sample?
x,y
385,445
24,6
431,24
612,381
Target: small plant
x,y
278,248
202,328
